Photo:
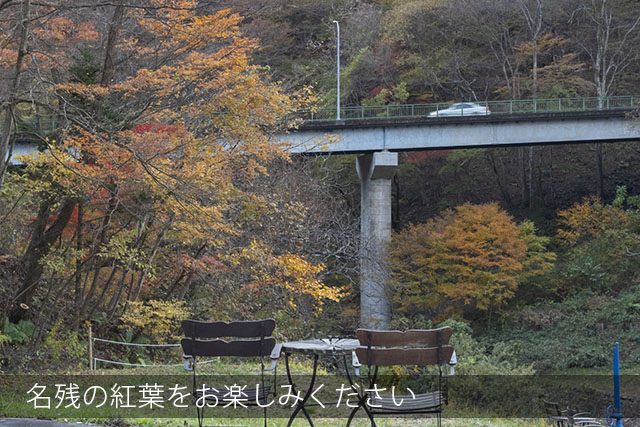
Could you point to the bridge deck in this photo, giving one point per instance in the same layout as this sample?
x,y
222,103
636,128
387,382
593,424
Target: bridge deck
x,y
421,133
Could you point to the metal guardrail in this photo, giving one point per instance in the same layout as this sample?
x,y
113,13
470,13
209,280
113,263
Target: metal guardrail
x,y
47,125
522,106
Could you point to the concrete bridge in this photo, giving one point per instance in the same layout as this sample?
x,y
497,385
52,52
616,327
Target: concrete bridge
x,y
379,140
420,133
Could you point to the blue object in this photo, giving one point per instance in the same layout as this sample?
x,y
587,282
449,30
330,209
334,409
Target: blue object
x,y
614,414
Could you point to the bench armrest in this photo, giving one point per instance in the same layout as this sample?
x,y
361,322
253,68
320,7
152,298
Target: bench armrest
x,y
356,363
189,361
275,355
452,364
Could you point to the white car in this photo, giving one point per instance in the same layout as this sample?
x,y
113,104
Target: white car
x,y
462,109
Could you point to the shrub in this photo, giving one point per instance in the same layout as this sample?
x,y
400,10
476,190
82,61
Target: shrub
x,y
63,344
578,332
158,320
596,239
18,333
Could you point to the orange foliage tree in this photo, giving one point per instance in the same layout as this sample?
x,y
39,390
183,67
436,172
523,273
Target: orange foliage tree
x,y
149,183
474,255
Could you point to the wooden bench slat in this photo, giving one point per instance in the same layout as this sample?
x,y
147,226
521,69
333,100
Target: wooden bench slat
x,y
412,337
241,348
408,402
239,328
400,356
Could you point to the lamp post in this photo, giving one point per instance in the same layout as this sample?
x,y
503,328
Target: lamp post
x,y
338,67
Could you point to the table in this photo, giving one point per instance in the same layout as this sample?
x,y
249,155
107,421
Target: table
x,y
332,346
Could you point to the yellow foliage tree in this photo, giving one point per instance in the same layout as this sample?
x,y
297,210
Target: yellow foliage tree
x,y
283,277
158,320
589,218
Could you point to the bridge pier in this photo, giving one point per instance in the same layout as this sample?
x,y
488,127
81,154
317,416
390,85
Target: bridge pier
x,y
375,171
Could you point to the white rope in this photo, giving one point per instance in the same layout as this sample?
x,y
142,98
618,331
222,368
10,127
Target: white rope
x,y
135,344
96,359
132,364
115,362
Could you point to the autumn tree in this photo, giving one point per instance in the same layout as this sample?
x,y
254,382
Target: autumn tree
x,y
414,28
473,256
36,40
533,14
149,185
8,107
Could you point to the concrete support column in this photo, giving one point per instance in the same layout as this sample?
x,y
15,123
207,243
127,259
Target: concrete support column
x,y
375,171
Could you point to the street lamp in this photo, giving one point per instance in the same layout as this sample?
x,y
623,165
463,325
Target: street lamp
x,y
338,66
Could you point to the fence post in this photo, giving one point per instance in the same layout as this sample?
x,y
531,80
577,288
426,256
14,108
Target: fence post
x,y
413,114
559,104
387,110
511,106
535,105
90,349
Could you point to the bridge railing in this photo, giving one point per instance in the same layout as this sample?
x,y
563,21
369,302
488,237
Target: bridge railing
x,y
521,106
47,124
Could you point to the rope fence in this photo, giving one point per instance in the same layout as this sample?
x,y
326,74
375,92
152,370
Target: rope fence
x,y
93,361
115,362
134,344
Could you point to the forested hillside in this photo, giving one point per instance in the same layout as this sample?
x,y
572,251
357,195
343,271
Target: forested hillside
x,y
440,50
395,52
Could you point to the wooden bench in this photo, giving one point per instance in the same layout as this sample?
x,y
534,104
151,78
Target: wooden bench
x,y
427,347
203,339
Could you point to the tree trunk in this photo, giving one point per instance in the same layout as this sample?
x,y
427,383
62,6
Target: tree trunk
x,y
6,142
600,166
77,297
494,167
530,192
523,178
108,67
98,263
39,247
395,222
534,88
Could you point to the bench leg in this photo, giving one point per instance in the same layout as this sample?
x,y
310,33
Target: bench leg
x,y
200,415
351,415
